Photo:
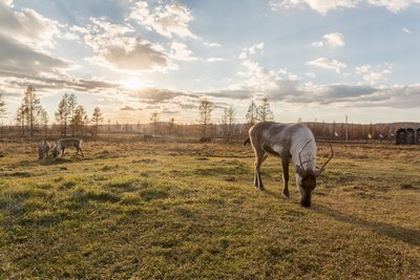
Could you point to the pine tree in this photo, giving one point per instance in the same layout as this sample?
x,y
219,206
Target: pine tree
x,y
44,120
32,107
2,107
62,114
251,115
97,118
264,112
20,118
154,119
72,106
80,119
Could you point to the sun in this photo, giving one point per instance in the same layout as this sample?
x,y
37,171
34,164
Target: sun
x,y
131,83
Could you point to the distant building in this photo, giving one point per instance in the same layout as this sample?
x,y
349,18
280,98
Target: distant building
x,y
411,136
407,136
401,136
418,135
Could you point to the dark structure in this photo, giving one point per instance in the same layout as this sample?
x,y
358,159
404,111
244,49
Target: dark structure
x,y
401,136
411,136
418,135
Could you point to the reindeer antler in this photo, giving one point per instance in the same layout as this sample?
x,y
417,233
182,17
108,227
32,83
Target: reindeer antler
x,y
300,151
330,158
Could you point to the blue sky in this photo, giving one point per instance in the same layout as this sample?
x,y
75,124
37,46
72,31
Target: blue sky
x,y
313,59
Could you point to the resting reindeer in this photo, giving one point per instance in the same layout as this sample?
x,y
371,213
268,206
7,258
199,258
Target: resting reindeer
x,y
43,149
287,141
61,144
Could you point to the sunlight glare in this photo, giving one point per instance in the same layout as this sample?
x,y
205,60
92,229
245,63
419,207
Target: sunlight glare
x,y
131,83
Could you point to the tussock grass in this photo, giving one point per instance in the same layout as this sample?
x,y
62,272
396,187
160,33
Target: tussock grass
x,y
151,211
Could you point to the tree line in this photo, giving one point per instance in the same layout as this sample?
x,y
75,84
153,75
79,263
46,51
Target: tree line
x,y
72,117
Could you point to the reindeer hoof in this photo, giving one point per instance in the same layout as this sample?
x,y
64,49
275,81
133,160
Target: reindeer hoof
x,y
286,194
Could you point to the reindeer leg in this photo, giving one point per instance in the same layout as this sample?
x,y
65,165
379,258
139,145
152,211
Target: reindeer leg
x,y
285,168
259,160
81,151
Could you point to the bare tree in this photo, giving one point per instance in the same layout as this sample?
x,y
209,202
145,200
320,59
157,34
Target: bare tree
x,y
97,118
205,108
171,126
264,112
228,120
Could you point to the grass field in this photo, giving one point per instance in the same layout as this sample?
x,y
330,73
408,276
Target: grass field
x,y
185,211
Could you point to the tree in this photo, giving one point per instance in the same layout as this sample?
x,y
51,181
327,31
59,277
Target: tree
x,y
97,118
205,108
264,112
154,119
62,114
80,119
72,106
2,107
20,118
228,119
251,114
44,120
171,126
32,107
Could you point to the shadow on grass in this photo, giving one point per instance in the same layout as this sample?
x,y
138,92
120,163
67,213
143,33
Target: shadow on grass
x,y
409,236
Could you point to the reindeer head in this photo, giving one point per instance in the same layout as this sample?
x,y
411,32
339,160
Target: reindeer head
x,y
306,178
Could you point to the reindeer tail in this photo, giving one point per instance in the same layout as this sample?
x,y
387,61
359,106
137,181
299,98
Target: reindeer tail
x,y
247,141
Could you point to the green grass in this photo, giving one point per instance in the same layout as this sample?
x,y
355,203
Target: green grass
x,y
154,211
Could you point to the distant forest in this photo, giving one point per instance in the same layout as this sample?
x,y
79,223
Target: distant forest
x,y
71,119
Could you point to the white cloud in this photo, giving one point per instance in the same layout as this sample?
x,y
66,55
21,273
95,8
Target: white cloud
x,y
325,6
212,45
246,52
326,63
28,26
167,20
406,30
180,51
374,75
333,40
117,48
321,6
214,59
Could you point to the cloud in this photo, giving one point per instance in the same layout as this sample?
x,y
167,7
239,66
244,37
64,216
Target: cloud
x,y
167,20
20,58
129,108
374,75
333,40
324,6
329,64
246,52
180,51
321,6
406,30
212,45
27,26
117,48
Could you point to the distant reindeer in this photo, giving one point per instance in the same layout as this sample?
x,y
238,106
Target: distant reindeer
x,y
43,148
289,142
61,144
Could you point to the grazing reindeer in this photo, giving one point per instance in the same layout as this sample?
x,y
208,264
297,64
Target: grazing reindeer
x,y
287,141
43,148
61,144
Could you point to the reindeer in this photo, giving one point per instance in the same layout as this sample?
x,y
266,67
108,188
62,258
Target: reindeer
x,y
61,144
288,142
43,148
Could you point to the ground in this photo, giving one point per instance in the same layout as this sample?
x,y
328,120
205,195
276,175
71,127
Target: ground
x,y
189,211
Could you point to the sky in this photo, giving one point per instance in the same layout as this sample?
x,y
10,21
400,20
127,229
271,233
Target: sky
x,y
313,59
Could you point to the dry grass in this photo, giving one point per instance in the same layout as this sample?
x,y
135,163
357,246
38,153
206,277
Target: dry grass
x,y
188,211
